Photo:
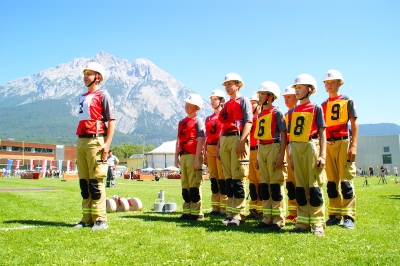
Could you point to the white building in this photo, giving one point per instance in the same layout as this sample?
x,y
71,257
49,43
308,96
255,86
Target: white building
x,y
377,151
163,156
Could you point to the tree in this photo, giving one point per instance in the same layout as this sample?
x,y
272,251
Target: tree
x,y
126,150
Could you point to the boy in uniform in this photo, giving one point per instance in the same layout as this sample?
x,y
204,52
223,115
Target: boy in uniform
x,y
255,204
290,102
308,152
234,149
271,134
95,132
341,152
214,166
188,156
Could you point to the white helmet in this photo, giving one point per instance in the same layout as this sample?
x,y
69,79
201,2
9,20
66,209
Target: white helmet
x,y
306,79
233,76
255,97
96,67
195,99
270,87
334,74
218,93
289,90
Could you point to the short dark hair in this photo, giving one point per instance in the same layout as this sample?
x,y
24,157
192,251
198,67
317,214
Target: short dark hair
x,y
109,151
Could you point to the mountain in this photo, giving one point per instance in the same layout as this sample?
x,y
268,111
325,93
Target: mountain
x,y
147,100
382,129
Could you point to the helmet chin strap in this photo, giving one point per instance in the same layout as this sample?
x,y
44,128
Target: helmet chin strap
x,y
219,105
308,94
91,83
304,97
255,110
96,79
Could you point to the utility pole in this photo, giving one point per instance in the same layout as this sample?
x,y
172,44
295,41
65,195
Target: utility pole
x,y
144,143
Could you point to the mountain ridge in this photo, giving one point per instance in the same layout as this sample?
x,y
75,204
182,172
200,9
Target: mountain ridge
x,y
146,98
148,102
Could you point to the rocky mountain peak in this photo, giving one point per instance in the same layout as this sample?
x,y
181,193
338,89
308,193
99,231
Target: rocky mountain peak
x,y
147,99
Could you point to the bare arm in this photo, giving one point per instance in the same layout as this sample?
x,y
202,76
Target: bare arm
x,y
352,152
110,133
199,148
279,160
177,151
322,149
240,150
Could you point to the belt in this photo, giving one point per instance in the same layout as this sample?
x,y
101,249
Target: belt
x,y
254,148
185,153
312,137
337,138
92,136
275,141
231,134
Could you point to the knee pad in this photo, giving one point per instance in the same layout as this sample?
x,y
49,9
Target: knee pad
x,y
194,194
83,184
316,199
222,186
238,189
253,192
259,191
214,186
185,195
276,194
264,191
291,190
332,190
301,196
94,189
347,190
228,187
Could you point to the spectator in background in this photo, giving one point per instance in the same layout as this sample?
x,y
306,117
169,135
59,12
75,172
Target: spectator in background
x,y
112,166
371,171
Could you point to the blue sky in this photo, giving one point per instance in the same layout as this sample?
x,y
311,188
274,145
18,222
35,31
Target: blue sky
x,y
198,42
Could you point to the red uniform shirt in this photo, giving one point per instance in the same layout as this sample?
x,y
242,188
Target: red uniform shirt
x,y
213,129
95,108
253,140
337,112
270,123
189,129
235,113
305,121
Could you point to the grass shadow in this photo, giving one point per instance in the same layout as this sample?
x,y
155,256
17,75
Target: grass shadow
x,y
38,223
211,224
392,197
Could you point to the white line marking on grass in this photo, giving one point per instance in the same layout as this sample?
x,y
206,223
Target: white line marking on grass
x,y
21,227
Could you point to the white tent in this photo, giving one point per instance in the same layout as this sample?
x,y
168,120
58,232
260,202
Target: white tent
x,y
149,169
162,156
171,168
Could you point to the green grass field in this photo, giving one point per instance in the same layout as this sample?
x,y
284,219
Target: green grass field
x,y
35,229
